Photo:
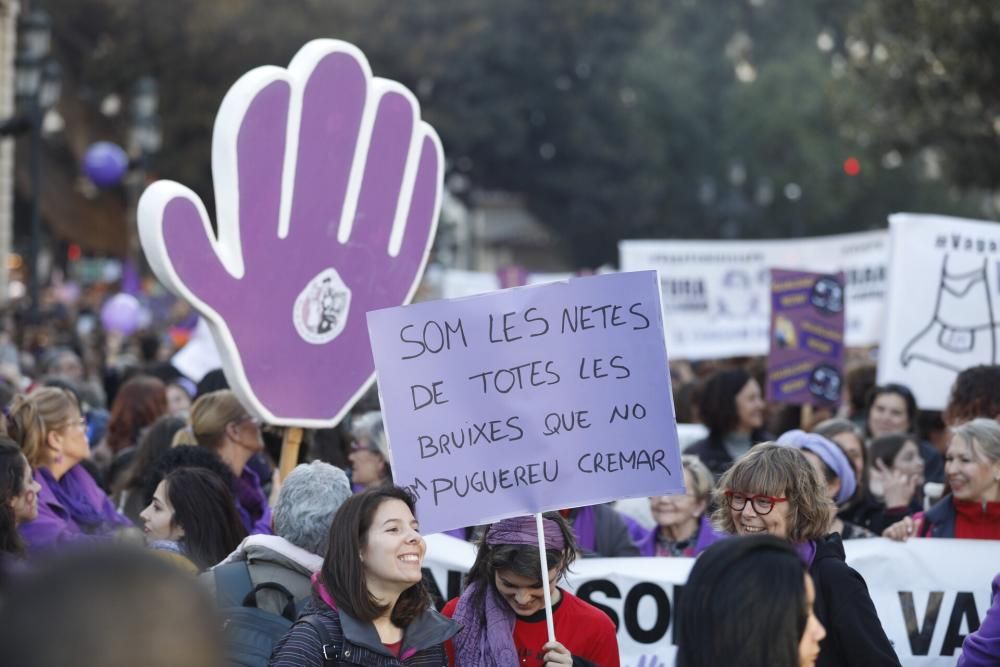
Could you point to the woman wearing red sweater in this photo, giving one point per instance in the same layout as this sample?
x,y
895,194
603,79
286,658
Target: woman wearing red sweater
x,y
972,509
502,610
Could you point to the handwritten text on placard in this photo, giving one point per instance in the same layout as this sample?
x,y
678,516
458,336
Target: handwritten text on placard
x,y
528,399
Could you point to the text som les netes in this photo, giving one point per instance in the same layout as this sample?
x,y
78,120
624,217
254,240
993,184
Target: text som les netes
x,y
435,337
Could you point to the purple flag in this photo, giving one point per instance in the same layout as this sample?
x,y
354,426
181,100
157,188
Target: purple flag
x,y
806,361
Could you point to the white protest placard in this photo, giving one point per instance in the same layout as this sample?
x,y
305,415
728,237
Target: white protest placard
x,y
716,294
925,603
943,311
528,399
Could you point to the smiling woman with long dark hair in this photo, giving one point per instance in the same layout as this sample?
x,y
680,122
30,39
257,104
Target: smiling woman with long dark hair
x,y
370,603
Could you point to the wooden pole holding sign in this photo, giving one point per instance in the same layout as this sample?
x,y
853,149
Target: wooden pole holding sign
x,y
806,417
545,577
289,451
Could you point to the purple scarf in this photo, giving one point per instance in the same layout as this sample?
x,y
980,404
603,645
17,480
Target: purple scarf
x,y
250,500
86,504
807,551
487,636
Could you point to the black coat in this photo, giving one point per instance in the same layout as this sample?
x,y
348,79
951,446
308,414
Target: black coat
x,y
349,642
854,634
871,513
713,453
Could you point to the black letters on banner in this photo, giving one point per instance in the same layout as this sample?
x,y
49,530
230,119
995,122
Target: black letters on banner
x,y
920,635
659,629
965,606
601,586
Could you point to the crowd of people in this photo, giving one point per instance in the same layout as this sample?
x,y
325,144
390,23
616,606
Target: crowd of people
x,y
140,472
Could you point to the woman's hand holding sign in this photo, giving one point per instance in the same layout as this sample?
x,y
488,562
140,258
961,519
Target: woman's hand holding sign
x,y
327,192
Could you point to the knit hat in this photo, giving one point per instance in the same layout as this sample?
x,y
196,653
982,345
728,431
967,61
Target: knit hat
x,y
828,452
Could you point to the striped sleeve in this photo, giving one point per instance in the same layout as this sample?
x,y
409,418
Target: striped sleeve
x,y
300,647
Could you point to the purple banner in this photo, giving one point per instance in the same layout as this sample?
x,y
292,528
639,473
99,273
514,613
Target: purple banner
x,y
530,399
806,361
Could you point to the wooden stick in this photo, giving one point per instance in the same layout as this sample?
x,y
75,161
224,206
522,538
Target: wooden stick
x,y
289,451
545,577
806,417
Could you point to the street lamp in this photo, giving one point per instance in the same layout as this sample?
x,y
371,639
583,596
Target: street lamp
x,y
37,86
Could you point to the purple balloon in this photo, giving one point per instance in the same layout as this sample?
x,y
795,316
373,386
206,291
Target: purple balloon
x,y
105,163
122,314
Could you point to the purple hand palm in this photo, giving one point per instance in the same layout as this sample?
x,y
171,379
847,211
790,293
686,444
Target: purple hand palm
x,y
327,189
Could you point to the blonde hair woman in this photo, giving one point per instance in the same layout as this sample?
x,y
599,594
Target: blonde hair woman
x,y
972,509
52,433
219,422
682,527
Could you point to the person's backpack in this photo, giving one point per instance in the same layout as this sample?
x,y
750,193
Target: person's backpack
x,y
249,633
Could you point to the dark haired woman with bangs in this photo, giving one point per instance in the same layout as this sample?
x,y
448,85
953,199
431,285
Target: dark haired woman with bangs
x,y
370,606
731,406
18,498
502,610
774,490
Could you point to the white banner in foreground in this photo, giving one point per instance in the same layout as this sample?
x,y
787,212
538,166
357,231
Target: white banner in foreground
x,y
928,593
943,311
716,294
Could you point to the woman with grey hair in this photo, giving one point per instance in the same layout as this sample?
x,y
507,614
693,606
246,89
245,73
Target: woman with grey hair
x,y
369,452
972,470
306,505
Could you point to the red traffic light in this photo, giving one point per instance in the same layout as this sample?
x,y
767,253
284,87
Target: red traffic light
x,y
852,167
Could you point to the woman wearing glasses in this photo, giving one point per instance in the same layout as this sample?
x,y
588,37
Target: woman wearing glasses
x,y
52,434
220,423
369,452
774,490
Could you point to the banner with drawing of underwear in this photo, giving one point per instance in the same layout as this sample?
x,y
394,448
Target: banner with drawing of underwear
x,y
943,303
716,296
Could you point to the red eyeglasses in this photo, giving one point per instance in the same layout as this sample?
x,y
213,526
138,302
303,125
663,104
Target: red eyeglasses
x,y
762,504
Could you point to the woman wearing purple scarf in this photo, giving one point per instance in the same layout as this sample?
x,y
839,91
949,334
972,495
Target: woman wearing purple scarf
x,y
502,610
682,525
774,490
48,427
220,423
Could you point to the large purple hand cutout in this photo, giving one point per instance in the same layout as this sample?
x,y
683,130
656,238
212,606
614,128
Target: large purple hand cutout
x,y
328,187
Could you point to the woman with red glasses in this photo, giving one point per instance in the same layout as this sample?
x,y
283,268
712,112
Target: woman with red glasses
x,y
774,490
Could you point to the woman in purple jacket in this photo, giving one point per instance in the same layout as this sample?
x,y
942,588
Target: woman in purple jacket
x,y
682,525
220,423
982,647
48,427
